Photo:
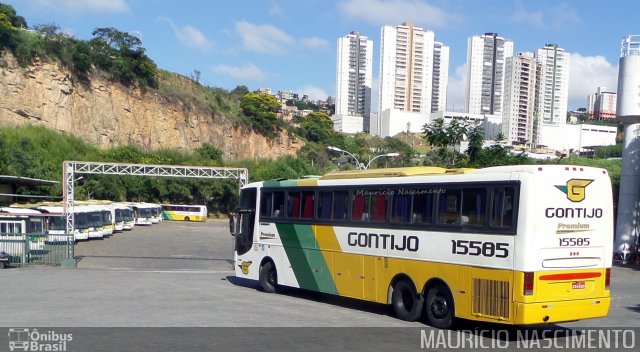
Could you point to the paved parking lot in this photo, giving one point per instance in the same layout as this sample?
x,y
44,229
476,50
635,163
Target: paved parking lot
x,y
179,274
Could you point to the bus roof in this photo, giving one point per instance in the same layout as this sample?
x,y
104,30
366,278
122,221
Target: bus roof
x,y
436,172
390,172
19,211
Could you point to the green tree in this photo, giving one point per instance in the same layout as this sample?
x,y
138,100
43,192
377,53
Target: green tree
x,y
10,15
117,40
436,134
316,126
261,110
122,55
475,135
211,154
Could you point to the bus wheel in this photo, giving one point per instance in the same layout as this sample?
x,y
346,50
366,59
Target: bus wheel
x,y
407,303
186,218
440,309
269,277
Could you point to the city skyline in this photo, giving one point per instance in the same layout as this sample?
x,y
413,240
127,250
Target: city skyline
x,y
289,45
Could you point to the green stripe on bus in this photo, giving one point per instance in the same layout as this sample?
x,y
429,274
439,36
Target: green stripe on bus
x,y
306,260
283,183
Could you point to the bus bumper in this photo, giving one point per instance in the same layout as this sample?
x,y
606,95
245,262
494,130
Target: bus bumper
x,y
561,311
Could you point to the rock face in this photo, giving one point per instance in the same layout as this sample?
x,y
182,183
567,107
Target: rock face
x,y
108,114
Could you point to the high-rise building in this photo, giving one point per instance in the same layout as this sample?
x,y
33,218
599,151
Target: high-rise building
x,y
353,82
520,91
408,57
414,73
554,84
440,77
486,55
602,105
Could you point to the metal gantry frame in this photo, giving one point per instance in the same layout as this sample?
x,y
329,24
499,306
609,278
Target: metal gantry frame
x,y
71,168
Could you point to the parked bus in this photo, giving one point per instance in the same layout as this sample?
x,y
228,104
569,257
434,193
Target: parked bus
x,y
184,212
156,210
142,213
527,244
123,217
55,223
15,223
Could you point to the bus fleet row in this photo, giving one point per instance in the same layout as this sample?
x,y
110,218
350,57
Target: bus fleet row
x,y
91,219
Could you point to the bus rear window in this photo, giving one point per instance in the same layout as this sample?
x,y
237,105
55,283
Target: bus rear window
x,y
501,213
474,202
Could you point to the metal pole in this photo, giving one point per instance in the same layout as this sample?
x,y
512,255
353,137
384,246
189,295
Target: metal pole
x,y
68,182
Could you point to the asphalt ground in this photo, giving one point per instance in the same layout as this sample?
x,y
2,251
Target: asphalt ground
x,y
180,275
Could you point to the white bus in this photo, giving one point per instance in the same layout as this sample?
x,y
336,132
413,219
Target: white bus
x,y
142,213
184,212
156,210
15,224
123,217
527,244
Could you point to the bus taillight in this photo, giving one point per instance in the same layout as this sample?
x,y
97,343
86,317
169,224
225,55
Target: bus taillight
x,y
607,278
527,288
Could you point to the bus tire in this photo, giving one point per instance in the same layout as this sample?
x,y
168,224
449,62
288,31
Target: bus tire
x,y
186,218
406,302
269,277
440,307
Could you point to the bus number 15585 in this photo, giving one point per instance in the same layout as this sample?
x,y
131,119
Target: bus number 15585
x,y
487,249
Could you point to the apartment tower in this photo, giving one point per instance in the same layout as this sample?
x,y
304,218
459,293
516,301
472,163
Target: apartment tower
x,y
520,93
486,55
554,84
411,64
353,79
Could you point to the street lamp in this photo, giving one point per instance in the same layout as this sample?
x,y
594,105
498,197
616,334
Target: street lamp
x,y
359,165
388,155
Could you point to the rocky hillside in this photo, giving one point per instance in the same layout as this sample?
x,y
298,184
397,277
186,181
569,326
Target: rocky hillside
x,y
109,114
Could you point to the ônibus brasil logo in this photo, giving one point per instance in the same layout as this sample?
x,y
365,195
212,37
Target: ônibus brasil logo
x,y
575,189
22,339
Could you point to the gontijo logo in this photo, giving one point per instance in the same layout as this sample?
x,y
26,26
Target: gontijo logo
x,y
575,189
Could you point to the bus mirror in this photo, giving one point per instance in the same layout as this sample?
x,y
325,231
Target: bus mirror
x,y
232,223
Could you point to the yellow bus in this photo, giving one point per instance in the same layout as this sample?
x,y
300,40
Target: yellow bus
x,y
526,244
184,212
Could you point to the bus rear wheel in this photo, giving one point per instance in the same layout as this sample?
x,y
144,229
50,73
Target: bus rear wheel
x,y
186,218
439,306
269,277
406,302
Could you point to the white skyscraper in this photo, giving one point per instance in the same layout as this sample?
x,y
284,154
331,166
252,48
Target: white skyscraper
x,y
414,73
554,84
520,91
353,83
486,55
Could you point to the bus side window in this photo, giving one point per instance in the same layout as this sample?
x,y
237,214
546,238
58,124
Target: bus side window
x,y
307,205
324,205
278,204
379,207
266,204
422,210
340,205
473,206
358,207
502,207
401,208
293,205
449,207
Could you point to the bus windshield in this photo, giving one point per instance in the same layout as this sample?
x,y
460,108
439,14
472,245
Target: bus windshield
x,y
58,223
